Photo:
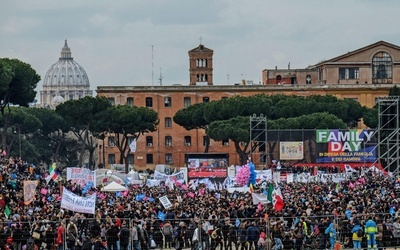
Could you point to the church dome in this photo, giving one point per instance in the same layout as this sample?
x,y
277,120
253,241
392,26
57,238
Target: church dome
x,y
66,72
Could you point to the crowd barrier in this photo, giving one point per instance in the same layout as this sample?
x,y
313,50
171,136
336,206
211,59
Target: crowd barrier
x,y
301,232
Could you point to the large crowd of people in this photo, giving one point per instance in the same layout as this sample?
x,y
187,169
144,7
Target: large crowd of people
x,y
355,213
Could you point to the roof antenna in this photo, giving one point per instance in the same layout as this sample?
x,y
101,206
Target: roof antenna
x,y
161,77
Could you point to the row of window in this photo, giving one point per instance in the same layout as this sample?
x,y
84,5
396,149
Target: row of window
x,y
187,141
131,159
187,101
382,65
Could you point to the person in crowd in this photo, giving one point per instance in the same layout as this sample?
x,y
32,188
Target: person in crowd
x,y
242,236
371,231
98,244
124,236
72,234
168,232
135,236
253,233
180,235
332,232
111,236
396,231
277,235
50,236
358,233
60,236
144,236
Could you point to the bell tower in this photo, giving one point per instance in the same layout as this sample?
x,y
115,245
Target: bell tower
x,y
201,65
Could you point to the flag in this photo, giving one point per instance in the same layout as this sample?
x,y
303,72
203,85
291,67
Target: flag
x,y
277,199
52,167
251,190
133,146
161,215
270,191
54,175
7,211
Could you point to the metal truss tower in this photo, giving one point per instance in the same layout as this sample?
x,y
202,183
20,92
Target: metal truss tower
x,y
258,140
388,133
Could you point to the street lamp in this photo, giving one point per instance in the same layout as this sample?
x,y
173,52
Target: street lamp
x,y
19,138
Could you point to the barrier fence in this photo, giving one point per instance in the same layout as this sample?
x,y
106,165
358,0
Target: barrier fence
x,y
300,232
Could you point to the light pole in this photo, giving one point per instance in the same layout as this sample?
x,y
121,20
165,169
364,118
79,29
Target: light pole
x,y
19,138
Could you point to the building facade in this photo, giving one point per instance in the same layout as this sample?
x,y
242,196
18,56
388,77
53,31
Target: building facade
x,y
65,80
378,63
169,144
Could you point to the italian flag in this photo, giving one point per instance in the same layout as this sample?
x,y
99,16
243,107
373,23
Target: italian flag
x,y
277,199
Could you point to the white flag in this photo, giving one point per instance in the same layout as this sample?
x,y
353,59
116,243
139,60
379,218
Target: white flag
x,y
133,146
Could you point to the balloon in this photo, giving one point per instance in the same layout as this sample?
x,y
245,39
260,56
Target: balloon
x,y
242,176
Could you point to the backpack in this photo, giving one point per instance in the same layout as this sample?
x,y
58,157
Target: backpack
x,y
360,232
176,233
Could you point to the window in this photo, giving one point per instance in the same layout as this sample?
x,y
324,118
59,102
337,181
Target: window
x,y
111,141
224,97
129,139
149,158
168,141
349,73
188,141
130,159
200,63
71,96
382,68
129,101
149,102
111,158
186,102
149,141
206,99
167,102
308,79
206,140
225,142
168,122
168,159
111,100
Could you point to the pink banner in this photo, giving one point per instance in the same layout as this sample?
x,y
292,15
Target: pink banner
x,y
43,191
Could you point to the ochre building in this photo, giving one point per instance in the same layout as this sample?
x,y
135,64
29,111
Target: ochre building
x,y
364,74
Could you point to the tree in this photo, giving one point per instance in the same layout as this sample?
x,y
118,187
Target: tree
x,y
228,119
192,117
51,140
80,115
126,122
22,125
18,82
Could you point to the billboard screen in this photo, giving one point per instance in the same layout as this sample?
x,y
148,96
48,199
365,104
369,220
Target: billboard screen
x,y
291,150
346,145
214,166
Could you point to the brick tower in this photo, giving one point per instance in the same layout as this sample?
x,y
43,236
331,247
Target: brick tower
x,y
201,66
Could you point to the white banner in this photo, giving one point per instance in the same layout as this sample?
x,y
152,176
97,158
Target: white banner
x,y
180,176
336,178
165,202
264,175
81,176
77,203
259,198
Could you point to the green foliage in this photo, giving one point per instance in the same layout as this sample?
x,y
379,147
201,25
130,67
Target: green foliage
x,y
191,117
228,119
20,90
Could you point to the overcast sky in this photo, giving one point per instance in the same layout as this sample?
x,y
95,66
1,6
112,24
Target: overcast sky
x,y
113,39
